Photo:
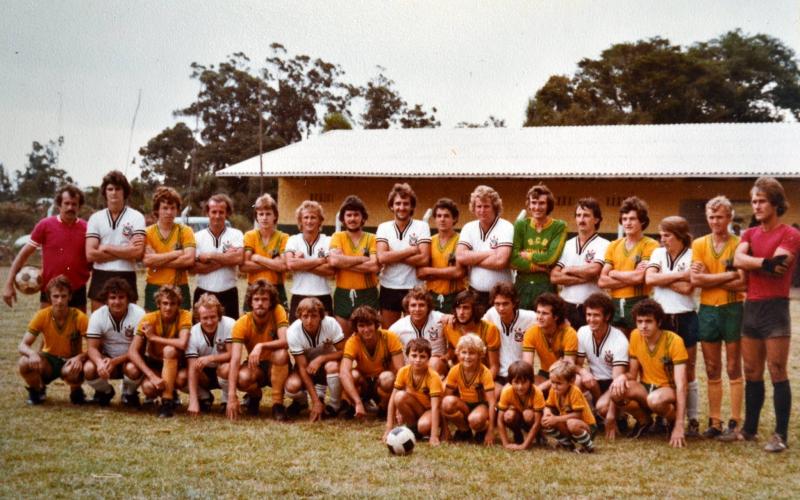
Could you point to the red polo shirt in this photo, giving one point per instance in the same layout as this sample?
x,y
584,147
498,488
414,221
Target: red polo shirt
x,y
63,250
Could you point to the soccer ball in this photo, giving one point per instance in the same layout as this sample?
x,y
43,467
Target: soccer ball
x,y
28,280
400,441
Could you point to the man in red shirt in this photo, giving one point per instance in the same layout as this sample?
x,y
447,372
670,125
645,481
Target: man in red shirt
x,y
61,239
768,253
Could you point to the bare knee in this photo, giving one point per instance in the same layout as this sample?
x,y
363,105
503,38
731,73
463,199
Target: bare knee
x,y
131,371
509,417
170,352
293,383
450,404
280,357
386,381
331,367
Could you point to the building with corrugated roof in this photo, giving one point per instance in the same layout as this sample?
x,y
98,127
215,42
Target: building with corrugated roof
x,y
675,168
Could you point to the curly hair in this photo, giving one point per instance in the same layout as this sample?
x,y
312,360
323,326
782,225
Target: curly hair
x,y
541,190
486,193
638,205
259,287
165,194
118,179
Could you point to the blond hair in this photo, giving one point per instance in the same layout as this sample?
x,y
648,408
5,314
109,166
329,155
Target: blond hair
x,y
471,342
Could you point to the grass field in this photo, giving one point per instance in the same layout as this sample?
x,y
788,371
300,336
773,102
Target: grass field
x,y
58,450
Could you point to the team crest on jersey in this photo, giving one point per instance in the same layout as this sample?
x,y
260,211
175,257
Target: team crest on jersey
x,y
608,358
321,253
226,245
433,333
589,257
128,331
127,230
494,242
681,267
519,334
412,239
220,345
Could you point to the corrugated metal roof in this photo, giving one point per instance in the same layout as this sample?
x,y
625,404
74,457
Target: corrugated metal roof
x,y
701,150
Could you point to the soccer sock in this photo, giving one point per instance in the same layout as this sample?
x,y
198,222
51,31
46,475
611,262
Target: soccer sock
x,y
737,396
203,393
753,401
169,373
562,439
691,400
334,390
320,390
100,385
715,400
278,376
782,399
583,439
223,384
130,386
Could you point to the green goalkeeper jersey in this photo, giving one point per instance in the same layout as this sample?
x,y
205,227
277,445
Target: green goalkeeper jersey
x,y
545,247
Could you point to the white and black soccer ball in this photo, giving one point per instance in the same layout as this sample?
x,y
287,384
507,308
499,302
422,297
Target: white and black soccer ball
x,y
400,441
28,280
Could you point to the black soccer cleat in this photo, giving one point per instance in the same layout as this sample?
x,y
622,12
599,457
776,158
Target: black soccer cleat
x,y
252,404
103,398
693,429
638,430
77,396
167,408
35,396
462,436
279,413
519,437
347,411
713,431
330,412
206,404
296,407
131,400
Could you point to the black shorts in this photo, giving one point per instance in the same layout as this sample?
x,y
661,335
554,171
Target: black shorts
x,y
766,319
686,325
99,279
77,298
576,314
326,300
228,298
604,385
213,380
392,298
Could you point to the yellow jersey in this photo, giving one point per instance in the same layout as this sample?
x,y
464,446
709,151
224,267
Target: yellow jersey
x,y
180,237
428,386
371,364
622,259
534,400
365,247
444,255
164,330
247,332
703,251
62,340
564,343
656,365
275,247
470,389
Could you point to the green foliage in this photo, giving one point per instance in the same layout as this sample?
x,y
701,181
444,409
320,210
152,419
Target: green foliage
x,y
335,121
384,107
6,187
41,176
733,78
491,122
166,159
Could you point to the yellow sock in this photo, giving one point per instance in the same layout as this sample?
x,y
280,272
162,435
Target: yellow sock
x,y
737,395
169,372
715,401
278,375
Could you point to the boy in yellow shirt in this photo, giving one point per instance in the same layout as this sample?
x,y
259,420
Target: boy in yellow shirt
x,y
469,400
417,394
520,408
567,416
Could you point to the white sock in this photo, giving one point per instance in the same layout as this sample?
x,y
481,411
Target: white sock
x,y
223,384
130,386
100,385
691,400
321,392
334,390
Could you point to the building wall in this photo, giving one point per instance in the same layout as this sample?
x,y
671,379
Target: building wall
x,y
664,196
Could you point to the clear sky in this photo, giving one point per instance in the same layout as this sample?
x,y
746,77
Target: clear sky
x,y
74,68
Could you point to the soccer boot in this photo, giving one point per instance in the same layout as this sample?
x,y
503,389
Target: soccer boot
x,y
279,412
252,403
35,396
206,404
693,429
131,400
713,431
731,433
103,398
776,444
296,407
167,408
77,396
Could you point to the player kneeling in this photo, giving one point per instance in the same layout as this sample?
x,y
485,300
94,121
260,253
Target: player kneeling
x,y
657,376
109,335
378,356
416,398
520,408
61,327
567,416
316,342
157,349
469,397
209,349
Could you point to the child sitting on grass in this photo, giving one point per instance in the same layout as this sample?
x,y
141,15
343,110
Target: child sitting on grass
x,y
520,407
417,394
469,396
567,416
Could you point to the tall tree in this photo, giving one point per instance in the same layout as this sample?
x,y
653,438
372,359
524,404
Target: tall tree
x,y
41,176
731,78
383,105
6,187
166,159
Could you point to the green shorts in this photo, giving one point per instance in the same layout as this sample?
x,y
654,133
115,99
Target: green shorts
x,y
529,291
56,364
720,323
346,300
444,303
623,312
150,291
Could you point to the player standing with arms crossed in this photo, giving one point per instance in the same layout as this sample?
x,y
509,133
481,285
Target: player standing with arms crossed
x,y
444,277
768,253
